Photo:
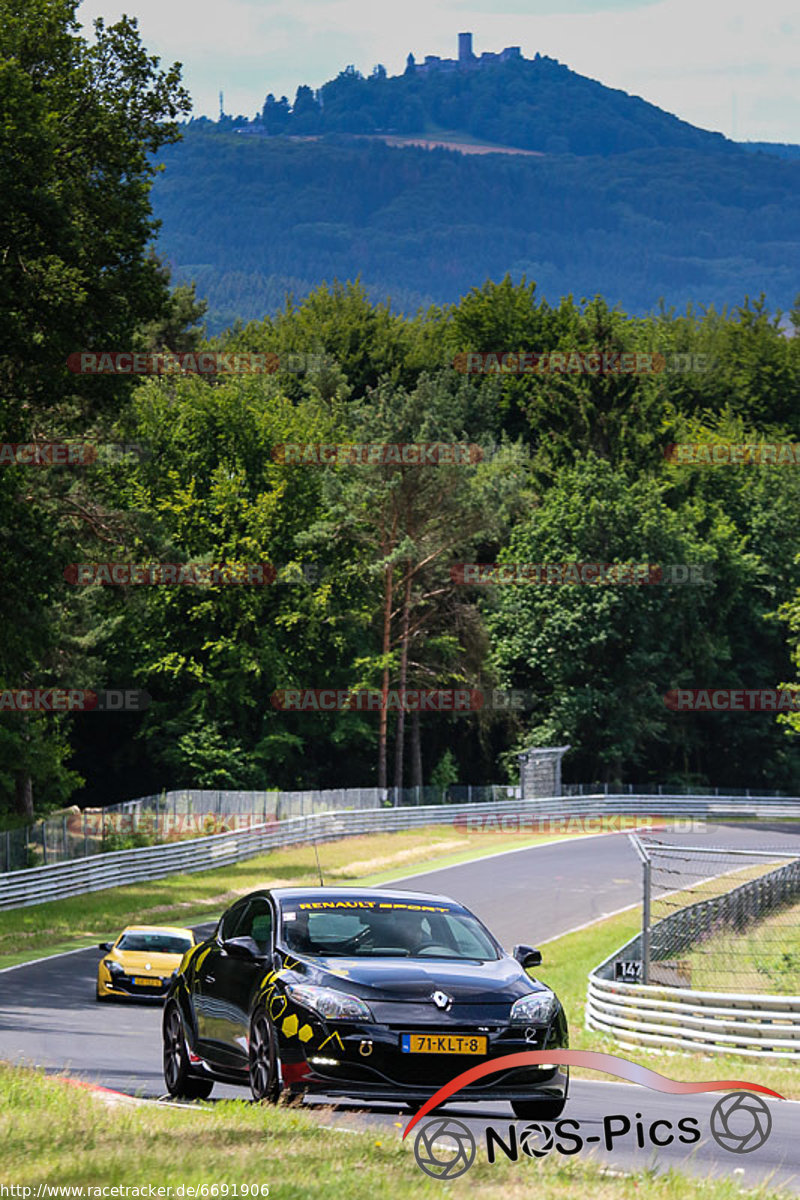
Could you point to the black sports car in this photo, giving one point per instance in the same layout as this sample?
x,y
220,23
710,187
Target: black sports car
x,y
363,993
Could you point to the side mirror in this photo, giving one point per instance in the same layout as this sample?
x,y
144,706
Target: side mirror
x,y
104,946
243,947
527,956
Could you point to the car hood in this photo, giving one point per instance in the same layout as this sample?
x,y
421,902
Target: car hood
x,y
412,981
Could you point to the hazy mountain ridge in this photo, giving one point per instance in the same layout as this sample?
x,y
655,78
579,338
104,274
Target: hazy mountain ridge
x,y
701,220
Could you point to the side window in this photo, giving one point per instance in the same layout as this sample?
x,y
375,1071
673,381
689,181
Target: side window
x,y
231,921
257,924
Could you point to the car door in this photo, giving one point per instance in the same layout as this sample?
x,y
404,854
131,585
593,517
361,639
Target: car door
x,y
208,999
235,980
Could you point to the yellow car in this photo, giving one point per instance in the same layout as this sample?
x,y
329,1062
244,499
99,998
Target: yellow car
x,y
142,961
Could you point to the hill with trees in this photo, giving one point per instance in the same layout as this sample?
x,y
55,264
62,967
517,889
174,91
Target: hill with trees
x,y
534,104
252,218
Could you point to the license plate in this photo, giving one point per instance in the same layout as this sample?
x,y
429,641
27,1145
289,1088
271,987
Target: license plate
x,y
442,1043
147,982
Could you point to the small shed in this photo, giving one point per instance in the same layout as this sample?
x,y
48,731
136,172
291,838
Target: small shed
x,y
540,771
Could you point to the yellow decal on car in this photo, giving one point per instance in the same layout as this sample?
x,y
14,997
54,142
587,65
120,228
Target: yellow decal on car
x,y
276,1016
330,1038
373,904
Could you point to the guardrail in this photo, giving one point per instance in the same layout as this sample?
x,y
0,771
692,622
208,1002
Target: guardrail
x,y
646,1014
20,889
194,812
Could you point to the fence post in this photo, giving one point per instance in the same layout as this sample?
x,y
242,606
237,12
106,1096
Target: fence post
x,y
44,844
85,836
64,831
646,921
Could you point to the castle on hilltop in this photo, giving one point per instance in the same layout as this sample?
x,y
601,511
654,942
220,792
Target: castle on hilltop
x,y
466,59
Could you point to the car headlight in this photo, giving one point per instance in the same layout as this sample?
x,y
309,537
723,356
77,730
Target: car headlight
x,y
332,1005
113,966
539,1008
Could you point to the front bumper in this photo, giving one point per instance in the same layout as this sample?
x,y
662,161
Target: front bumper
x,y
126,985
367,1060
512,1085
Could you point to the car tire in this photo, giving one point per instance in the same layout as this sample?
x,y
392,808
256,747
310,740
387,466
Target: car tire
x,y
263,1066
538,1110
179,1082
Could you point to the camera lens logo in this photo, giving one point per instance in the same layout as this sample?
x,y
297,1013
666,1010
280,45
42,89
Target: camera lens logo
x,y
741,1122
536,1140
444,1148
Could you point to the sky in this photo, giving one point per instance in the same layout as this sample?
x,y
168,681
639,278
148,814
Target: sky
x,y
731,67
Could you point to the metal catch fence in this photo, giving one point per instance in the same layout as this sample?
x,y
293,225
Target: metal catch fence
x,y
720,919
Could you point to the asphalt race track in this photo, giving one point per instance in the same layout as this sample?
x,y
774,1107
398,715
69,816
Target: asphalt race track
x,y
48,1014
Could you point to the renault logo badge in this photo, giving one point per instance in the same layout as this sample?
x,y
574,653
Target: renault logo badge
x,y
441,1000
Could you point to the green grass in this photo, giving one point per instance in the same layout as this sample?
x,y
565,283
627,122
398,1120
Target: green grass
x,y
54,1134
81,921
764,958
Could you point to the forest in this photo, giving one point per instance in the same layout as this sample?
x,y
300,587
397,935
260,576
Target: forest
x,y
292,573
250,219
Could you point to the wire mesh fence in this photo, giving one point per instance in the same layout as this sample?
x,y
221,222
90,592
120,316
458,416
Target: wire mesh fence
x,y
721,920
659,789
194,812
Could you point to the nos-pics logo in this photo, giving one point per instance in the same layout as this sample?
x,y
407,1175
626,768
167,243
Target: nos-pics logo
x,y
445,1147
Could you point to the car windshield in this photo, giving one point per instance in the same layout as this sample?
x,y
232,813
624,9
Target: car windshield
x,y
155,943
385,929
